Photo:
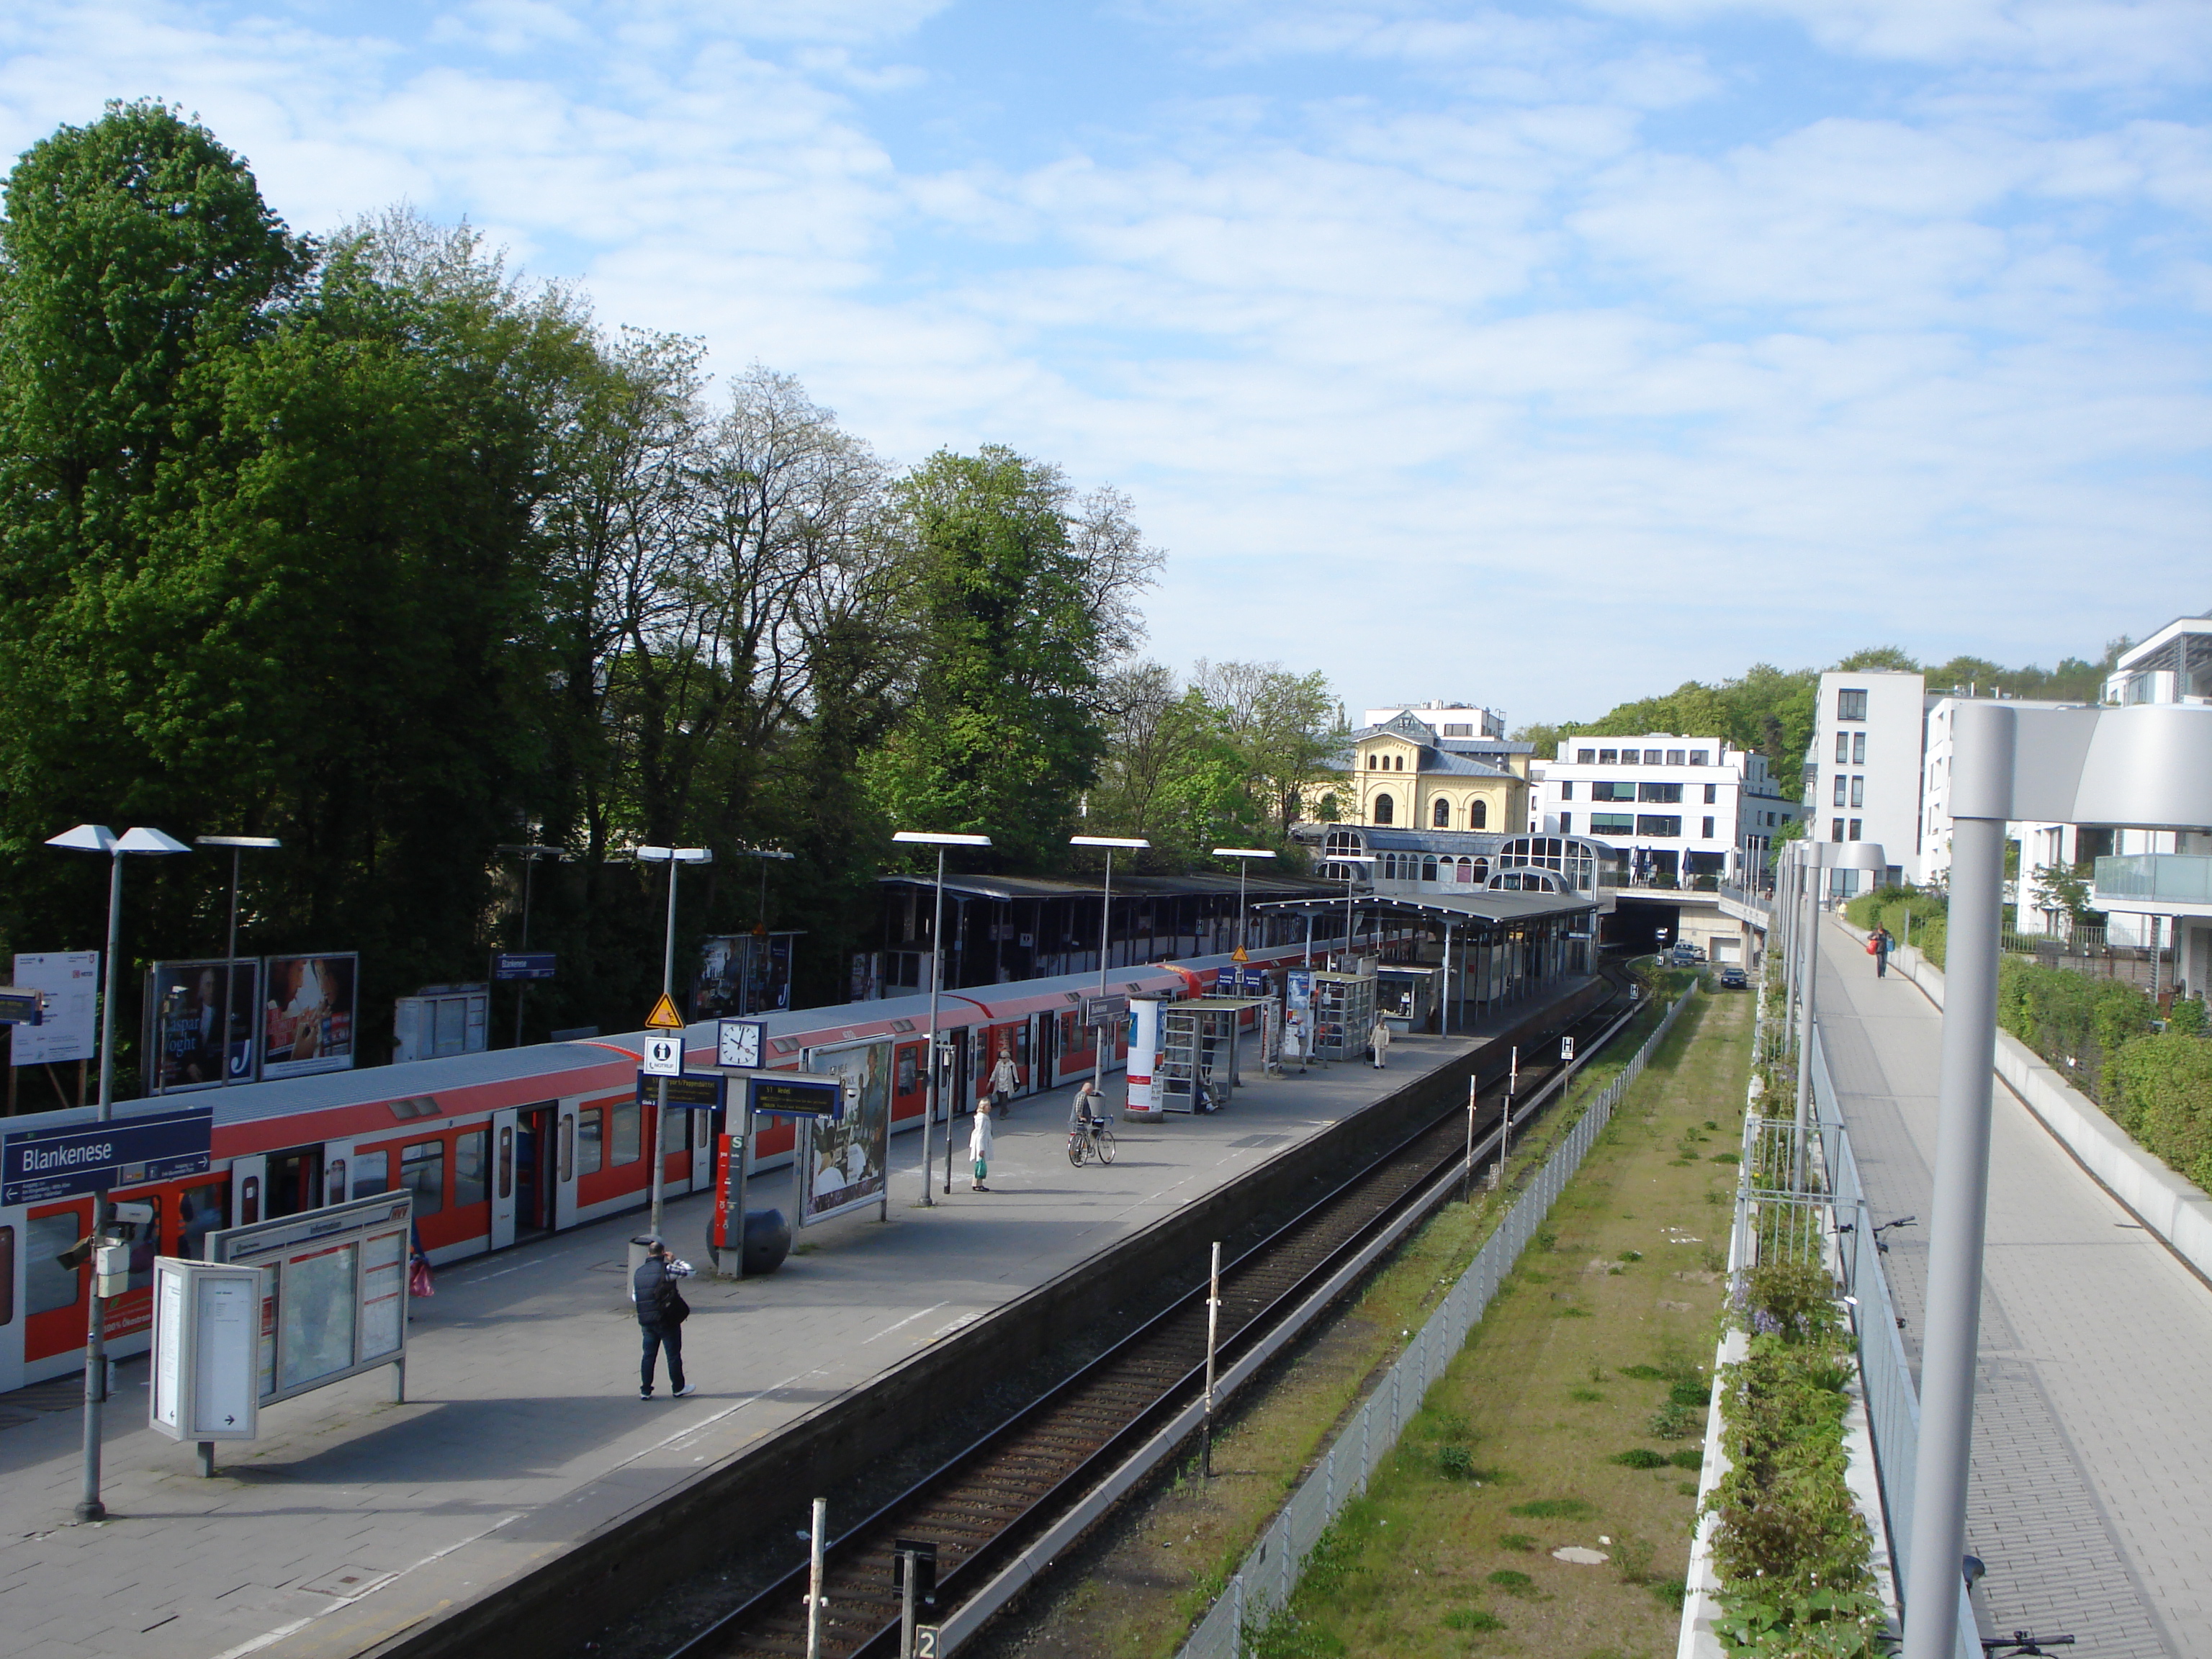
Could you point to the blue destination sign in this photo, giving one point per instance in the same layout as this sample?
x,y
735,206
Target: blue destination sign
x,y
523,965
798,1097
695,1091
37,1165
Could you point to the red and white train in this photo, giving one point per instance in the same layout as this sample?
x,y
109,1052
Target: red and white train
x,y
505,1145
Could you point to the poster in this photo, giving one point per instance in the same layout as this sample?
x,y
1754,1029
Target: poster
x,y
842,1168
307,1015
71,979
187,1038
742,974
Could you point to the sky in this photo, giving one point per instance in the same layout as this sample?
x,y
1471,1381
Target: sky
x,y
1534,355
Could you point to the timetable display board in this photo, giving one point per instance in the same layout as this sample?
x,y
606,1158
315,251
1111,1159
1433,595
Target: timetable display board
x,y
334,1297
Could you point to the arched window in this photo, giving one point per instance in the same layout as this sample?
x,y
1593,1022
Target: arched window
x,y
1401,763
1373,764
1386,810
1428,869
1441,817
1465,871
1478,814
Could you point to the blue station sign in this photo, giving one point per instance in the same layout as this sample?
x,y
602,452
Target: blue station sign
x,y
523,965
38,1165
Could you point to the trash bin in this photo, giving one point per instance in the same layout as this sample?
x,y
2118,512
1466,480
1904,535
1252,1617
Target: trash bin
x,y
639,1247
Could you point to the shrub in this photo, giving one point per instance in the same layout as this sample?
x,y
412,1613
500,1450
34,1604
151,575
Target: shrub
x,y
1793,1300
1672,1422
1454,1462
1688,1394
1512,1583
1686,1459
2163,1090
1473,1618
1553,1509
1637,1457
1516,1541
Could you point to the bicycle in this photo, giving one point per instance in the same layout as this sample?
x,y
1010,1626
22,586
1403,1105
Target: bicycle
x,y
1095,1140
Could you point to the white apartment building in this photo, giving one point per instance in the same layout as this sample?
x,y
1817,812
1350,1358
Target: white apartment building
x,y
1672,808
1446,719
1863,774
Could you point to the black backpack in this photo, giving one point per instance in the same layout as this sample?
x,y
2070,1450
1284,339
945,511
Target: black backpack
x,y
668,1301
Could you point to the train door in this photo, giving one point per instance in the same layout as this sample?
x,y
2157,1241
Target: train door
x,y
249,1178
294,1184
12,1221
338,1171
503,1179
1022,1056
1045,1030
533,1171
702,1125
55,1304
564,1164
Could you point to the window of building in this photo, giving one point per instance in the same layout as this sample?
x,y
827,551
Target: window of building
x,y
1858,749
1440,815
1661,793
1712,793
1466,871
1709,830
1478,815
1386,810
1674,757
626,1133
1701,757
1458,730
1611,789
1567,791
1850,705
1585,757
422,1172
591,1143
1398,761
471,1165
1612,823
1855,827
1835,828
1843,748
1838,800
1658,827
1428,869
1374,763
1566,823
1608,757
1858,792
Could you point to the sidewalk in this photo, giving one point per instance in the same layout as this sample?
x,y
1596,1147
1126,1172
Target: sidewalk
x,y
353,1519
2092,1446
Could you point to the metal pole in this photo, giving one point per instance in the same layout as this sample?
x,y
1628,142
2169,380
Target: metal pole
x,y
661,1102
1213,1329
929,1095
906,1605
1105,941
1812,952
1957,1215
814,1579
522,987
229,958
89,1506
1243,950
1467,1185
1444,1014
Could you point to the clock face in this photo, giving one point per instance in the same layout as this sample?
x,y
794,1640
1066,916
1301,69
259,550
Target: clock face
x,y
739,1043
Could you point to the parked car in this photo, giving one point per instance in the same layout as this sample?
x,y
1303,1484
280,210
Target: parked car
x,y
1732,978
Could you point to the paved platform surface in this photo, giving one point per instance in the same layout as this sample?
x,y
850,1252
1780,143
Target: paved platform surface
x,y
2093,1444
353,1518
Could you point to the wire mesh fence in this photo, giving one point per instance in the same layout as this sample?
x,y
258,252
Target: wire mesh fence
x,y
1263,1585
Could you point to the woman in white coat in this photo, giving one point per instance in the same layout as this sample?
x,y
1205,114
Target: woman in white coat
x,y
979,1145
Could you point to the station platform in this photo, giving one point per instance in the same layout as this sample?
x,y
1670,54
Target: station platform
x,y
353,1520
2091,1449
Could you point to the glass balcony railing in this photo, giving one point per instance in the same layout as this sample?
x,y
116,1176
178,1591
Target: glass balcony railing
x,y
2180,878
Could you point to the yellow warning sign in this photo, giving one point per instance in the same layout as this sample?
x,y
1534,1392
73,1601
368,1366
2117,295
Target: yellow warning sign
x,y
664,1017
1238,955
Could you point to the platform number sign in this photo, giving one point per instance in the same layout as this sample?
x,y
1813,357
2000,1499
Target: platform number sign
x,y
1566,1049
927,1638
663,1056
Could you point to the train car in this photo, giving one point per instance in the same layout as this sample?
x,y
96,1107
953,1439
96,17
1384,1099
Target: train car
x,y
512,1145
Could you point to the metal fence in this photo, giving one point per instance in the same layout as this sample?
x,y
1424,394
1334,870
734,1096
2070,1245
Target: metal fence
x,y
1263,1585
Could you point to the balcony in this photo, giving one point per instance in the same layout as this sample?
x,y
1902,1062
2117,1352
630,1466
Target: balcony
x,y
2167,883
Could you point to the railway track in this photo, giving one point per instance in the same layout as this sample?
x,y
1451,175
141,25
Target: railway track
x,y
981,1508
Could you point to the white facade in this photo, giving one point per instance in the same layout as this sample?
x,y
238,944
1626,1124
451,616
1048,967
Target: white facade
x,y
1863,772
1446,719
1668,805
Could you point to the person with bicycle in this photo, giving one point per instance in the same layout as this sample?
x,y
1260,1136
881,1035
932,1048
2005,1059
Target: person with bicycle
x,y
1086,1125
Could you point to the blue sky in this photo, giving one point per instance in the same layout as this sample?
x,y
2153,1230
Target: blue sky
x,y
1540,355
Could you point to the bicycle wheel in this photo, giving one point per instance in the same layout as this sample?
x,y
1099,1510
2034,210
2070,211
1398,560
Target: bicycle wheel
x,y
1105,1145
1075,1151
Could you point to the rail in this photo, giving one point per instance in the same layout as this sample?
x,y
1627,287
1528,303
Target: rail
x,y
1264,1583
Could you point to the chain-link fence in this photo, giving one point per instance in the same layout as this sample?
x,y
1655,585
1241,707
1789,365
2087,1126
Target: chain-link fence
x,y
1264,1583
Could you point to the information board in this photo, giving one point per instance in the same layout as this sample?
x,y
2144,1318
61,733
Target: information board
x,y
71,979
334,1298
842,1165
798,1097
39,1165
692,1091
206,1320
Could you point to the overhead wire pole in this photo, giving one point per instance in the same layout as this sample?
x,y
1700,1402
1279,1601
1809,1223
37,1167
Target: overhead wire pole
x,y
1111,843
767,855
237,844
1243,855
672,857
929,1100
530,853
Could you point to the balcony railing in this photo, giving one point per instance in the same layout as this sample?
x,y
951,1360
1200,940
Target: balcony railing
x,y
2180,878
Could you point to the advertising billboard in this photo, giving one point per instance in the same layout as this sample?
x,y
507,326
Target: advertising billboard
x,y
71,979
842,1165
743,973
186,1038
307,1015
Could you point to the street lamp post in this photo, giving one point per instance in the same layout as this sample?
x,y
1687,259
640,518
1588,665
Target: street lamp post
x,y
1351,861
1243,855
99,838
672,857
1111,844
931,838
1818,856
237,844
530,853
767,855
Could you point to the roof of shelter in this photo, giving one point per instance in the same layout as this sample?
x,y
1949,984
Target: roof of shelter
x,y
1493,907
1125,885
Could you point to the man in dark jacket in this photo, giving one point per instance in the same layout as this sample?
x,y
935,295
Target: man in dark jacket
x,y
655,1286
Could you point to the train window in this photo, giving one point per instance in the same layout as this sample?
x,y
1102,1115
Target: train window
x,y
506,1161
47,1285
568,1148
334,1180
372,1174
199,1212
676,1133
591,1151
625,1133
7,1275
422,1172
249,1200
471,1167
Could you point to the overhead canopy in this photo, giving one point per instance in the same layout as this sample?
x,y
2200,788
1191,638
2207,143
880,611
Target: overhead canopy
x,y
1006,888
1495,910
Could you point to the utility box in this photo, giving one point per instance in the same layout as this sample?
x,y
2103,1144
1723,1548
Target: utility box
x,y
207,1346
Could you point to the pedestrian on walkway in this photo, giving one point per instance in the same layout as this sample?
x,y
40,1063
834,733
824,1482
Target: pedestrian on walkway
x,y
979,1146
1090,1106
1881,943
662,1311
1378,1042
1004,1081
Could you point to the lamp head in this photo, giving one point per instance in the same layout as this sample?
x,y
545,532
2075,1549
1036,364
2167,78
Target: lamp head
x,y
85,838
1241,852
239,841
1119,843
932,838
